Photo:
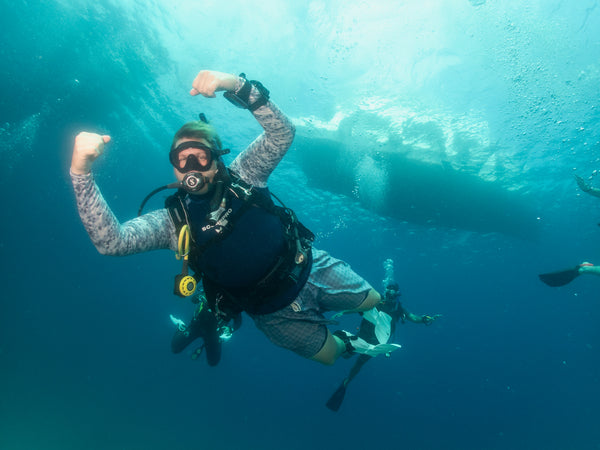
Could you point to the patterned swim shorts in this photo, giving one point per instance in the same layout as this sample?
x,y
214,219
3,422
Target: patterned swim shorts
x,y
301,326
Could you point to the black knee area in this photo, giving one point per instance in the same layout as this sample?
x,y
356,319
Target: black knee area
x,y
180,341
212,347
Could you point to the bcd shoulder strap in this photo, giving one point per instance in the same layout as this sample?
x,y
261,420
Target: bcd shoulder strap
x,y
287,216
176,210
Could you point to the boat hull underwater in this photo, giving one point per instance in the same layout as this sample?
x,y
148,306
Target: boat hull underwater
x,y
415,173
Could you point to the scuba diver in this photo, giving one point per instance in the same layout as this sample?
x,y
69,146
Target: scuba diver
x,y
207,326
585,187
565,276
390,310
250,254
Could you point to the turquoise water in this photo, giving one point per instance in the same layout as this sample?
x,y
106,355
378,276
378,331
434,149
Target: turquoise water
x,y
441,134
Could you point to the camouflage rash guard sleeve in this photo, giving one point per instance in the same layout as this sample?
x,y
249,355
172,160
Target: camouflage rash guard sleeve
x,y
155,230
151,231
257,162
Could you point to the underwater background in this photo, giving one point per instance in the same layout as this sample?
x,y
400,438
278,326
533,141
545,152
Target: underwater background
x,y
443,134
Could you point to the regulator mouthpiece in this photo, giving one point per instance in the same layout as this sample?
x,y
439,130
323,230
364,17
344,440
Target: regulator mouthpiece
x,y
193,181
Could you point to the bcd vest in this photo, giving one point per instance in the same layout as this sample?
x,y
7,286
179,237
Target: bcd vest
x,y
251,254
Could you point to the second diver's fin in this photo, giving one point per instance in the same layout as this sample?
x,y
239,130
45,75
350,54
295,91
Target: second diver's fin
x,y
560,278
382,323
337,398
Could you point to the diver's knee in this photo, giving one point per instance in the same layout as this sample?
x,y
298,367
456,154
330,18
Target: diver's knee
x,y
327,360
373,298
213,351
177,345
329,352
212,362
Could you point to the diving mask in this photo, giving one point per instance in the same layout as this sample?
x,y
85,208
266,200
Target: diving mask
x,y
199,161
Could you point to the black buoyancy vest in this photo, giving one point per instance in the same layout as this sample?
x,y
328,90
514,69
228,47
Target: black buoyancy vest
x,y
251,254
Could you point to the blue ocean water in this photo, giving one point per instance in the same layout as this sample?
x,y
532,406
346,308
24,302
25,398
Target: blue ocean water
x,y
443,134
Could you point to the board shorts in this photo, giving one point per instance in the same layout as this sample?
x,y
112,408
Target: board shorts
x,y
301,326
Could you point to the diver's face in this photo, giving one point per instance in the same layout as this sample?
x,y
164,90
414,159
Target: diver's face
x,y
193,159
203,159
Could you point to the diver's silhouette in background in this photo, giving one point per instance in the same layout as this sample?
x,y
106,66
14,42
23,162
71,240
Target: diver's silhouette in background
x,y
565,276
391,310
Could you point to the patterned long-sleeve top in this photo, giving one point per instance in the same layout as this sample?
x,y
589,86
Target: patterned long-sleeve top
x,y
155,230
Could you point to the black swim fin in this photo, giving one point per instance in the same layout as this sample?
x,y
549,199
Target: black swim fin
x,y
561,277
337,398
